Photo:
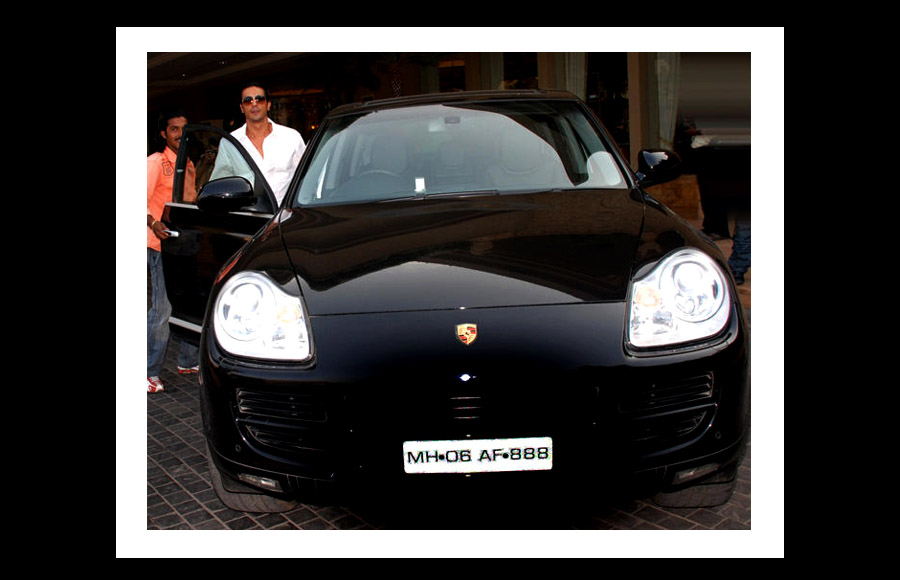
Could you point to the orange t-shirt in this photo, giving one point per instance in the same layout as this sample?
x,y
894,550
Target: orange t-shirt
x,y
160,179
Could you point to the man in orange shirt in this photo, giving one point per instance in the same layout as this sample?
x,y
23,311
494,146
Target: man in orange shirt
x,y
160,178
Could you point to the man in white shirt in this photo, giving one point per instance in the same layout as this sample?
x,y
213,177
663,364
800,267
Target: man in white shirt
x,y
275,149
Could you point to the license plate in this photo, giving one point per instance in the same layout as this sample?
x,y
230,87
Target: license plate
x,y
478,455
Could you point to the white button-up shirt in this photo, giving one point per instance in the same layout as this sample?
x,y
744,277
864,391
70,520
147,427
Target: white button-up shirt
x,y
282,150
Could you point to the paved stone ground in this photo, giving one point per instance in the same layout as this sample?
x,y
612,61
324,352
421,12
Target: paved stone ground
x,y
180,496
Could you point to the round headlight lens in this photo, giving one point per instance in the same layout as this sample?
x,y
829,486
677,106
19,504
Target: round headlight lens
x,y
243,308
685,298
256,318
695,285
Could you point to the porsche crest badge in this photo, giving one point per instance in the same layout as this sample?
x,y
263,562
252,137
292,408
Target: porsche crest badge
x,y
467,333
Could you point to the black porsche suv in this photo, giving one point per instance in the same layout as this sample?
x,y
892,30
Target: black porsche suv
x,y
457,288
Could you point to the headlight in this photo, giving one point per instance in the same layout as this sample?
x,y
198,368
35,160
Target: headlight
x,y
684,298
255,318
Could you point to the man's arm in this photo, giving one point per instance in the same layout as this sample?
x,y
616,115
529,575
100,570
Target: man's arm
x,y
153,172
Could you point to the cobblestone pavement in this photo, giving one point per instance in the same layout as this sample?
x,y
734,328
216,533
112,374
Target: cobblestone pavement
x,y
180,496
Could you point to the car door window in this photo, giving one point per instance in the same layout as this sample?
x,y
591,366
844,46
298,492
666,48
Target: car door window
x,y
212,154
229,162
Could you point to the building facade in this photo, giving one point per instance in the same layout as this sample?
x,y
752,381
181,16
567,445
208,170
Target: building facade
x,y
643,99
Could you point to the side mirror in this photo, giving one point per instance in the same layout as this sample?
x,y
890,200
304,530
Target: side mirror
x,y
226,195
657,166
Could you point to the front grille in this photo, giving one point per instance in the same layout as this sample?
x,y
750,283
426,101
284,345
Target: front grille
x,y
507,405
465,407
653,414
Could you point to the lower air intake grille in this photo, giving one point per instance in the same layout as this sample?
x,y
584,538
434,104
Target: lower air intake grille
x,y
284,421
663,413
668,427
670,393
280,407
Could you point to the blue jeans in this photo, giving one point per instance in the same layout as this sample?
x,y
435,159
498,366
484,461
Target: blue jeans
x,y
158,322
739,262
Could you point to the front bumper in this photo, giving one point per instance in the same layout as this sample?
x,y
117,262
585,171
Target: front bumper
x,y
550,371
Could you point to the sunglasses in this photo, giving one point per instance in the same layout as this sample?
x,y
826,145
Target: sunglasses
x,y
257,98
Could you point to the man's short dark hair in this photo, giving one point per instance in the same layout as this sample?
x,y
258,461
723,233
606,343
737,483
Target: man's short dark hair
x,y
168,116
249,84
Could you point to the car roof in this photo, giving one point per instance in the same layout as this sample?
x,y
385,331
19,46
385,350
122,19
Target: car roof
x,y
452,97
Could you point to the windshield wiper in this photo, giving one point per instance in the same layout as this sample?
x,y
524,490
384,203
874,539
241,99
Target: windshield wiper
x,y
479,192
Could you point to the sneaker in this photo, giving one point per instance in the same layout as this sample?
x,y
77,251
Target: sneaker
x,y
154,385
188,370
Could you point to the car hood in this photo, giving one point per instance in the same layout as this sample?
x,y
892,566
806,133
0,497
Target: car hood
x,y
464,252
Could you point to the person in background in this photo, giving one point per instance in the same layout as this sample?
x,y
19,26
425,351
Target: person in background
x,y
739,261
160,178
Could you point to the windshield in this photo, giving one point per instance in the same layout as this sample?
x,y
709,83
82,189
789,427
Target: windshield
x,y
463,148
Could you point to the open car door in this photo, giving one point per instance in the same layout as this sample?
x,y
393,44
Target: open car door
x,y
206,238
